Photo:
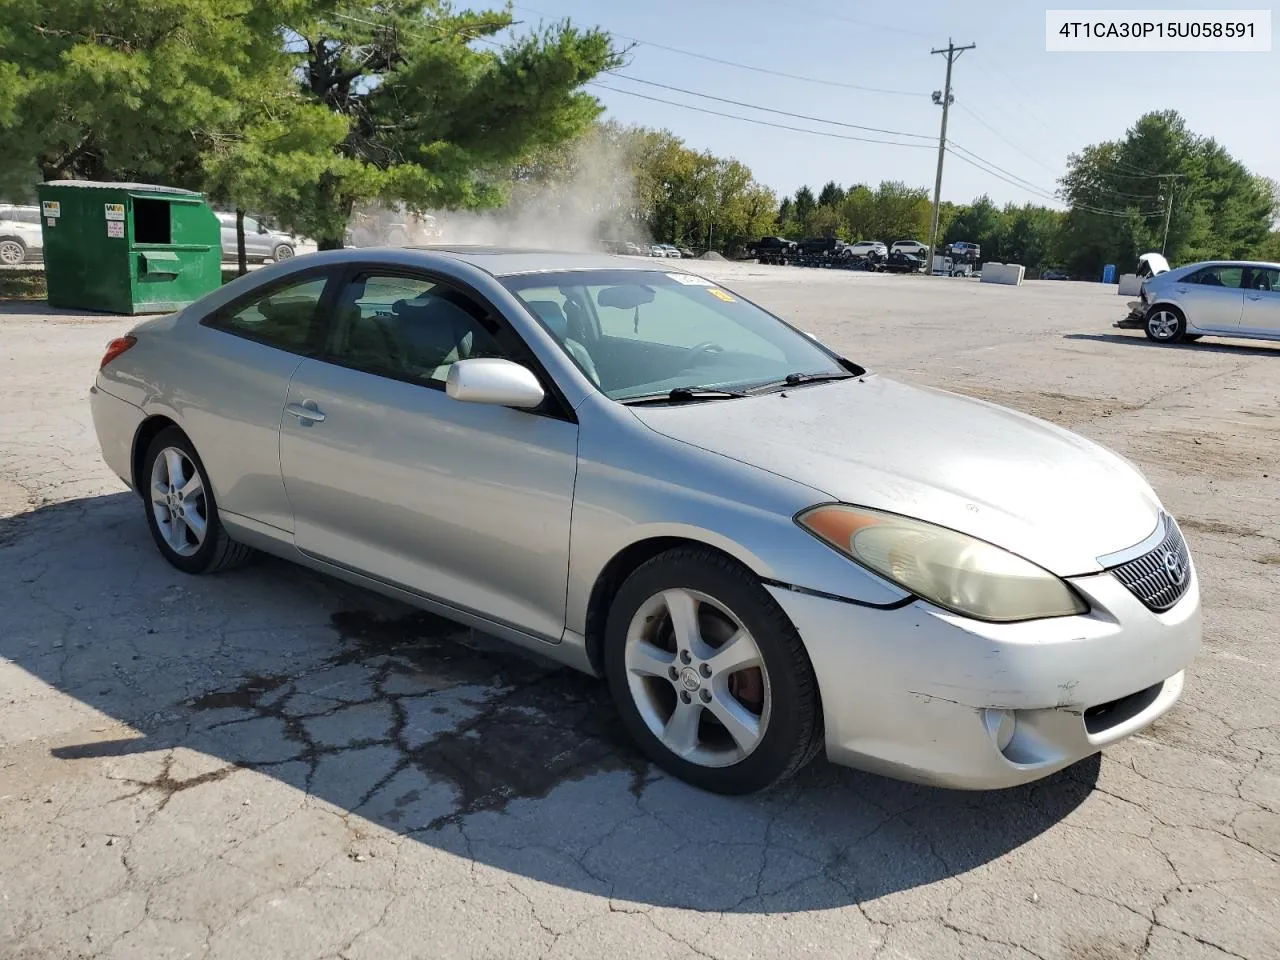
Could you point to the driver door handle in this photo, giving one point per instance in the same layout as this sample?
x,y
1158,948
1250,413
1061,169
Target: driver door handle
x,y
306,412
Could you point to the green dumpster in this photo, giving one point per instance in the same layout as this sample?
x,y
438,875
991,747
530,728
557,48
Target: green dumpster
x,y
128,247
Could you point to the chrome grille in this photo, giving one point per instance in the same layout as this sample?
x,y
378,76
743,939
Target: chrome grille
x,y
1161,576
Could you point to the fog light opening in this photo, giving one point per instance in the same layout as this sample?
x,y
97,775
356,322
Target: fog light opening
x,y
1001,725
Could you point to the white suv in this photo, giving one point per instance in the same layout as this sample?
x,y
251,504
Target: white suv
x,y
913,247
866,248
20,237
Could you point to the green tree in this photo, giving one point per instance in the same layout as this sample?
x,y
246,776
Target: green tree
x,y
1120,195
831,194
803,207
100,89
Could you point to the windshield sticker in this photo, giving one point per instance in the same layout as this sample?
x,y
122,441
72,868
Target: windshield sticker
x,y
689,280
722,295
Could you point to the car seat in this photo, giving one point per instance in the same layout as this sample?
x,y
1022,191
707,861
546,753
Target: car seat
x,y
558,323
432,333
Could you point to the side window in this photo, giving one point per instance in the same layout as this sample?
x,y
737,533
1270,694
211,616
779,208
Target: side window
x,y
1218,277
1263,278
285,318
413,329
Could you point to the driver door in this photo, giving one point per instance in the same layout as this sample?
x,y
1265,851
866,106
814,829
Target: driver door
x,y
463,503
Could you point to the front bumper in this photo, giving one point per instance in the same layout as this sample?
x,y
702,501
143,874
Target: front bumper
x,y
1136,318
921,694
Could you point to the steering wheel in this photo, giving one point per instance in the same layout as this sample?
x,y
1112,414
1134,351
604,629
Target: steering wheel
x,y
694,352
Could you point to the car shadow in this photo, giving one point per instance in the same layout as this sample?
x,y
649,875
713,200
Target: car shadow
x,y
1139,339
443,735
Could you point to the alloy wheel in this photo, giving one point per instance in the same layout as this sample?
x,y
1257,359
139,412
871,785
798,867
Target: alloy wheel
x,y
11,252
178,502
283,252
697,678
1163,325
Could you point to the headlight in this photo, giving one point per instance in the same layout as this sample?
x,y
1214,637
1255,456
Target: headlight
x,y
953,570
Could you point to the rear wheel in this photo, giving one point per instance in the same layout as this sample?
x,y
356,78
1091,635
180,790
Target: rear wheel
x,y
709,675
1166,325
12,251
181,511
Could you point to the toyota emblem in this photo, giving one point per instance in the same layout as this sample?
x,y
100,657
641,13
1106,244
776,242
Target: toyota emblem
x,y
1175,567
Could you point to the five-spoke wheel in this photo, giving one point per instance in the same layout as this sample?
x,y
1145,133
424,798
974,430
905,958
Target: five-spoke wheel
x,y
709,675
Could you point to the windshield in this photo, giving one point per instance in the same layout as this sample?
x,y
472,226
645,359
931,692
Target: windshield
x,y
641,333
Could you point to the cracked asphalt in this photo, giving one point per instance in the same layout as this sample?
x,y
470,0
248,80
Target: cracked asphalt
x,y
272,764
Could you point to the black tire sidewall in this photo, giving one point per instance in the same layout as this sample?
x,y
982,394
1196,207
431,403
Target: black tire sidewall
x,y
202,559
788,731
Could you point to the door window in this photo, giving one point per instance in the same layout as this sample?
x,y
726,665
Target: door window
x,y
1230,277
285,318
413,329
1266,279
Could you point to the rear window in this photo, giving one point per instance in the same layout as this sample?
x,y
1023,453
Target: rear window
x,y
20,214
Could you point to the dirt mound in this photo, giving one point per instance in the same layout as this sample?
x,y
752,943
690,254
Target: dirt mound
x,y
712,255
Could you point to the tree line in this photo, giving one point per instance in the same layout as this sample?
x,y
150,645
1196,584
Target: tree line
x,y
1120,196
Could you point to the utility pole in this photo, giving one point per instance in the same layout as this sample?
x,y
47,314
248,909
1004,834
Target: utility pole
x,y
1167,217
943,97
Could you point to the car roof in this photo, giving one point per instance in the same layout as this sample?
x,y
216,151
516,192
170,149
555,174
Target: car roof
x,y
513,261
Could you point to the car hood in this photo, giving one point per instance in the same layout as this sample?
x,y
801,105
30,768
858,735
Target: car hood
x,y
1042,492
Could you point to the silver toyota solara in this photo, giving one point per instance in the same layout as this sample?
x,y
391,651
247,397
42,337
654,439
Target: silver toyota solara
x,y
767,550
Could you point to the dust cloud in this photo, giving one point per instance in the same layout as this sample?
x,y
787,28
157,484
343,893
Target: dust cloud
x,y
585,202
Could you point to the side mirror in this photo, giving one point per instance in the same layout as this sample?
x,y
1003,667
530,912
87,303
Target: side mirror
x,y
493,381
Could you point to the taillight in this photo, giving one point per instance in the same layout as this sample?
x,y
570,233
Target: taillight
x,y
115,348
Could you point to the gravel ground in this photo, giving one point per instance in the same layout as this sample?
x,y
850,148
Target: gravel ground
x,y
270,764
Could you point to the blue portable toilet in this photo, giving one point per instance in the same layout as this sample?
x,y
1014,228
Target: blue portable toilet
x,y
1109,273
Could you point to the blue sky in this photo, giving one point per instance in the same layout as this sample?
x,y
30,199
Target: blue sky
x,y
1018,107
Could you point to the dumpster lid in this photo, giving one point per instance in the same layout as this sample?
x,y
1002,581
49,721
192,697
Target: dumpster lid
x,y
130,187
160,256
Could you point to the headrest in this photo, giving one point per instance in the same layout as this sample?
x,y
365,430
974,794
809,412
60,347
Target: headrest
x,y
550,313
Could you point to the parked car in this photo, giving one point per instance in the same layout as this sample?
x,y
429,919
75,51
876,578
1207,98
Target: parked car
x,y
866,248
687,254
670,250
1054,273
1224,298
773,249
898,262
260,244
913,247
928,586
20,236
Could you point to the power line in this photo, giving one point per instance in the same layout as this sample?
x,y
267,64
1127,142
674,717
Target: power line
x,y
829,15
1074,206
755,120
784,113
1001,136
843,85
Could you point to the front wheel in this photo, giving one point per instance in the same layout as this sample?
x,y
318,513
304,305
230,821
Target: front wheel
x,y
709,675
1166,325
282,252
181,511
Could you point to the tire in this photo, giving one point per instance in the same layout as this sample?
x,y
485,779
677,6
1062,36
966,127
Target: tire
x,y
215,551
12,251
1165,324
769,696
282,252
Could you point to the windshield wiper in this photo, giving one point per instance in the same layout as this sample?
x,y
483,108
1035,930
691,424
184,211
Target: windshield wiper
x,y
796,379
686,395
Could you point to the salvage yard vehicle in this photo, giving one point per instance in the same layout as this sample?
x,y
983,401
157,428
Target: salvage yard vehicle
x,y
913,247
899,262
261,244
773,249
767,550
20,236
866,248
1224,298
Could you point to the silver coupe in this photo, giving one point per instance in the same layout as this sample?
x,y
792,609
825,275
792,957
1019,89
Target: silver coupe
x,y
767,550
